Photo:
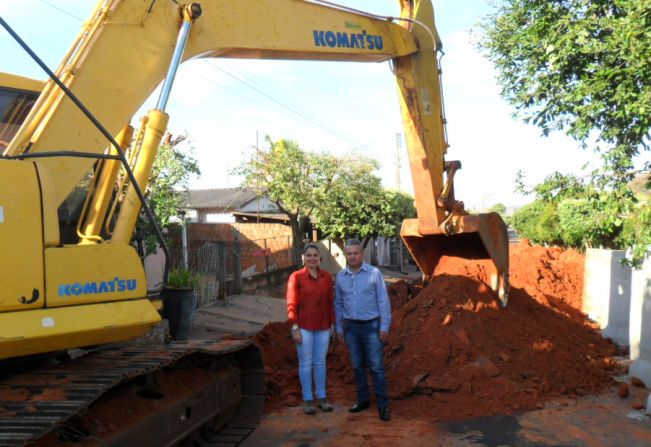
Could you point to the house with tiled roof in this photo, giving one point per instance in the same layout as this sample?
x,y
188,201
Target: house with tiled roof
x,y
222,204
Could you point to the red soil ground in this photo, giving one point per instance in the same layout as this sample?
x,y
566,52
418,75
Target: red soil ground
x,y
453,353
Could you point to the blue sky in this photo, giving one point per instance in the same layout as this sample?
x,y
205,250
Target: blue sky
x,y
336,107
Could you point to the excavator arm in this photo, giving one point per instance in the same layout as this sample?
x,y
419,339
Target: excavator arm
x,y
124,52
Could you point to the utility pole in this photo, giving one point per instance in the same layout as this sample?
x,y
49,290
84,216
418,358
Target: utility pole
x,y
398,149
257,179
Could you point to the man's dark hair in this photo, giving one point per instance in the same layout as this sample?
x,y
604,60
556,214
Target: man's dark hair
x,y
352,242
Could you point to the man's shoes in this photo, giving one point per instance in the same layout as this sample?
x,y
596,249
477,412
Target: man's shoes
x,y
308,407
385,414
324,405
359,406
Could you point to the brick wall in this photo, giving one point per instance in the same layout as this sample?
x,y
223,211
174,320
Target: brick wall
x,y
252,236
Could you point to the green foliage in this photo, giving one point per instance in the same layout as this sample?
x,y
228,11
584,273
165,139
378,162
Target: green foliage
x,y
181,277
296,180
559,186
358,206
171,173
582,67
588,222
341,196
636,233
538,222
586,218
498,208
577,65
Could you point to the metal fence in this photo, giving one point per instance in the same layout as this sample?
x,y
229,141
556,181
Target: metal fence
x,y
221,265
390,252
217,264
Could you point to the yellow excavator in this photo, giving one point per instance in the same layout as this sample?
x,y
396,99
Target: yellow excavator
x,y
64,286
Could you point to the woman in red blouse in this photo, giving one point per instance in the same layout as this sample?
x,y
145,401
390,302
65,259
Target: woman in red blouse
x,y
310,310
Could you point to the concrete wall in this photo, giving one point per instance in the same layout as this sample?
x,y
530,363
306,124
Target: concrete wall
x,y
619,299
332,255
607,292
154,269
640,323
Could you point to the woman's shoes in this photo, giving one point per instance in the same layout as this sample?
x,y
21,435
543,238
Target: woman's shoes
x,y
308,407
323,404
326,406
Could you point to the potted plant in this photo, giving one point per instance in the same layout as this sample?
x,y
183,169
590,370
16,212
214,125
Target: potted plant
x,y
180,301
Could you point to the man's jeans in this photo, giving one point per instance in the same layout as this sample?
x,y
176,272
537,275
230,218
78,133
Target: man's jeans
x,y
367,351
312,357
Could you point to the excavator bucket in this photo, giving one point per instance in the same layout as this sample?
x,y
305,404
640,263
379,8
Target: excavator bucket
x,y
473,236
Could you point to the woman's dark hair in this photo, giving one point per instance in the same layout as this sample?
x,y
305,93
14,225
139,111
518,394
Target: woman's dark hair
x,y
308,246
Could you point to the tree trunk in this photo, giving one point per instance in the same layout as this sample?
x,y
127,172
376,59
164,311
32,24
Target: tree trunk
x,y
297,239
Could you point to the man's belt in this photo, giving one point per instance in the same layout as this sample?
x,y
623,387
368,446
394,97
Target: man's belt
x,y
362,321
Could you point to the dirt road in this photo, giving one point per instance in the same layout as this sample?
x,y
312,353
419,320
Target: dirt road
x,y
604,420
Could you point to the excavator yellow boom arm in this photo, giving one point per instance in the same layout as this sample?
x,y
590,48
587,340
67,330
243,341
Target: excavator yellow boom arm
x,y
123,54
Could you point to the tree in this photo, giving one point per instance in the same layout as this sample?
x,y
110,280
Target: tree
x,y
297,181
499,208
340,196
581,66
359,206
171,173
573,213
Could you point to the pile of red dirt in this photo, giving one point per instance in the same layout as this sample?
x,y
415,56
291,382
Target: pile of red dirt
x,y
453,353
552,276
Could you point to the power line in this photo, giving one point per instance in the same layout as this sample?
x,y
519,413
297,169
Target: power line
x,y
61,10
267,87
235,92
294,105
280,103
248,82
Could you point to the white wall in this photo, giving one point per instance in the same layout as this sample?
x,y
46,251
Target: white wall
x,y
266,206
640,323
619,299
205,217
607,292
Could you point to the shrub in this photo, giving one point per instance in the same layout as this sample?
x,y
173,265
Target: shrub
x,y
180,278
538,222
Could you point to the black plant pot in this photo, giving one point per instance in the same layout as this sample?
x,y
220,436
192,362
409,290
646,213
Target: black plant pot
x,y
178,308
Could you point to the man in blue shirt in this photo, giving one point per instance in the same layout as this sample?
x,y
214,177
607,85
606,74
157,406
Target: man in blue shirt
x,y
363,317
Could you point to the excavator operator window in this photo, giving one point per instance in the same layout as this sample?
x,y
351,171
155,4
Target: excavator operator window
x,y
14,107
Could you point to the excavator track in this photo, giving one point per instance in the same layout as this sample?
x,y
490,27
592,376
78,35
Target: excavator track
x,y
41,401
